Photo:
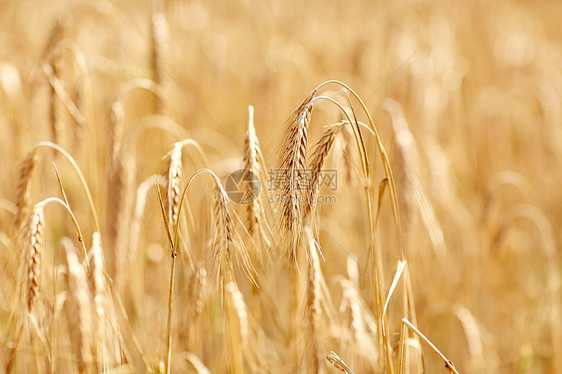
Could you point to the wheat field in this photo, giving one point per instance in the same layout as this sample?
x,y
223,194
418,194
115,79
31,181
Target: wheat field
x,y
280,186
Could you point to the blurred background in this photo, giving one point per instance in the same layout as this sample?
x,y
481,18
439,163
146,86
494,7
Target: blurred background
x,y
467,97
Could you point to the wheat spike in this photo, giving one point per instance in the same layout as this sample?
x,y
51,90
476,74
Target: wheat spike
x,y
23,189
293,167
55,120
256,222
97,285
159,47
338,363
237,301
119,211
348,146
312,309
237,326
96,278
197,293
35,241
251,151
174,183
80,324
319,154
226,241
224,236
117,124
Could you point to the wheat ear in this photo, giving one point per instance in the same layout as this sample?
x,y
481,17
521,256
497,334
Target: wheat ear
x,y
174,183
159,43
23,189
256,223
57,125
97,285
251,149
35,242
252,163
224,236
36,227
313,295
237,326
338,363
293,167
119,212
80,323
319,154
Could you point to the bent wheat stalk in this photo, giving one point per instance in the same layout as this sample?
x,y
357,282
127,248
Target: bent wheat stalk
x,y
384,343
25,183
172,276
448,363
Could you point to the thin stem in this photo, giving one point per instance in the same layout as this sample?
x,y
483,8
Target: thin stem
x,y
448,363
401,346
80,237
171,290
169,328
72,216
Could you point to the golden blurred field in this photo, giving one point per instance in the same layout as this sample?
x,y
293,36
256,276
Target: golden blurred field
x,y
466,99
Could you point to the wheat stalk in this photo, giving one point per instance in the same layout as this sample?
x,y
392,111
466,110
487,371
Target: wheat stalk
x,y
174,254
448,363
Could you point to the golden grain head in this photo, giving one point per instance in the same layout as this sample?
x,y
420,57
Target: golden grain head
x,y
36,229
